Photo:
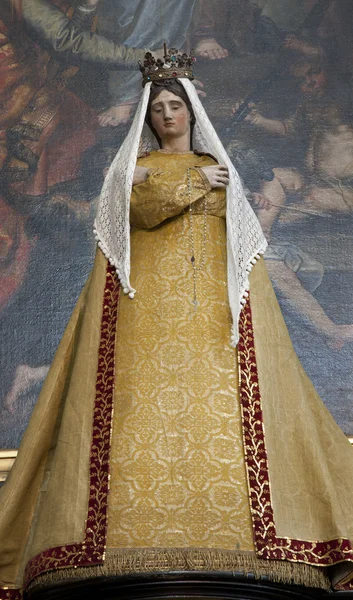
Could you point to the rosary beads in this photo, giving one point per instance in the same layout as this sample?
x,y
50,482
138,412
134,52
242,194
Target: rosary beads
x,y
196,268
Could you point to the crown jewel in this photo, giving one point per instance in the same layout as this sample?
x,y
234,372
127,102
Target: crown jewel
x,y
174,65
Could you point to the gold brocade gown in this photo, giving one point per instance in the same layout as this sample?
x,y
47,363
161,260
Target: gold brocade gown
x,y
178,476
147,390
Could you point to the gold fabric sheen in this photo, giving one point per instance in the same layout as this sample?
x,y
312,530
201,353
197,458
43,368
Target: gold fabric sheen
x,y
179,495
165,193
310,460
44,501
177,463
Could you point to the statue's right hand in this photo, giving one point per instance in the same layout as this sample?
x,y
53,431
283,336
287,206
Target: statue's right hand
x,y
140,175
217,175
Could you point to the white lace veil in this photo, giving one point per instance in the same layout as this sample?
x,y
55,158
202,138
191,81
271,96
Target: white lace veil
x,y
245,239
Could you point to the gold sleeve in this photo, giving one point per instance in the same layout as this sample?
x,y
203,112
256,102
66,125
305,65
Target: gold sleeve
x,y
164,195
48,25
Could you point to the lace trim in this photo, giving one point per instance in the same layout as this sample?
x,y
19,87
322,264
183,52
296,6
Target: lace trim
x,y
245,239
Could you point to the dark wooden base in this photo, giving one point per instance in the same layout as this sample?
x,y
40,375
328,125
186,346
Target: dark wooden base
x,y
181,586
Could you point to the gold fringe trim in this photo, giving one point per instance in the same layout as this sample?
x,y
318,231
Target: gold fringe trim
x,y
160,560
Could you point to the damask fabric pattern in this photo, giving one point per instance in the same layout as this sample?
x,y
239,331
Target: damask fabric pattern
x,y
177,463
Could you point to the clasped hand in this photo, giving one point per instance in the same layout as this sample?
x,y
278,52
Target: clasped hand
x,y
217,175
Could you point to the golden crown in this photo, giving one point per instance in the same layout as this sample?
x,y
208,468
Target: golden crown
x,y
174,65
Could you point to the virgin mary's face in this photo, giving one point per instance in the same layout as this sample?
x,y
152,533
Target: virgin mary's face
x,y
170,116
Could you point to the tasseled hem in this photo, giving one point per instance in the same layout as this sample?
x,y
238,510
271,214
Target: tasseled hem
x,y
124,281
161,560
244,296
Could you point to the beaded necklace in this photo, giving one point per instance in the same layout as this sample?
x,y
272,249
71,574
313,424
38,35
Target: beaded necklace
x,y
196,268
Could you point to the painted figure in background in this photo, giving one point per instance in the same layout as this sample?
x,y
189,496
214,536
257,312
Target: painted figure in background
x,y
324,185
256,26
313,103
45,130
142,24
38,91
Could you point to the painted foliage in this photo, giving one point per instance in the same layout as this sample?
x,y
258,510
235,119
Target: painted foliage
x,y
277,83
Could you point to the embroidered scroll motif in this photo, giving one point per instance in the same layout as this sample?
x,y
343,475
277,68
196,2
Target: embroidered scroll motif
x,y
267,544
91,551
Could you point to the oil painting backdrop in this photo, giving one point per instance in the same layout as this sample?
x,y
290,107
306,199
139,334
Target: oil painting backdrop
x,y
277,84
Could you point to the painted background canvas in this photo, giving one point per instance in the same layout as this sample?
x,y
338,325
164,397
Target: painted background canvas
x,y
276,80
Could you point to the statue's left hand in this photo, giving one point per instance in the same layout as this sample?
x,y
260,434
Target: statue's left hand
x,y
217,175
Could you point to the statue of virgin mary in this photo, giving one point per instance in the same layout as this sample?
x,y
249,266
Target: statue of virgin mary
x,y
177,429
